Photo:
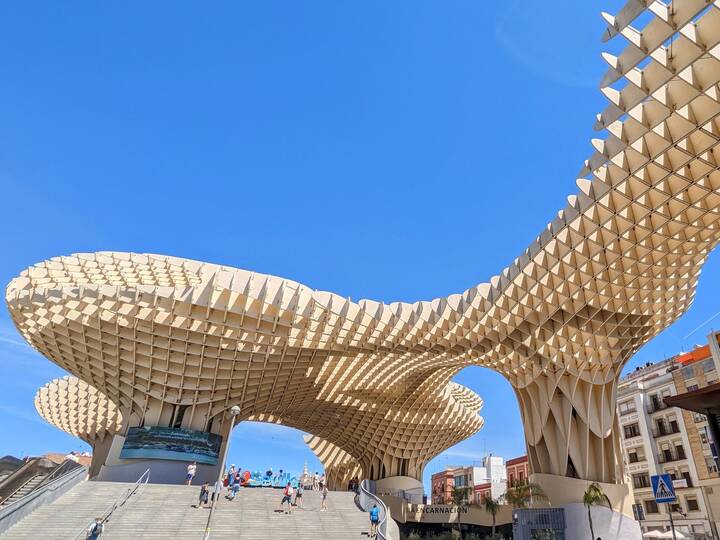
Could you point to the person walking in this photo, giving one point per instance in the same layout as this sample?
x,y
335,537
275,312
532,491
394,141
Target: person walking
x,y
235,486
323,498
231,479
316,481
204,495
191,470
298,496
95,530
322,482
374,520
287,498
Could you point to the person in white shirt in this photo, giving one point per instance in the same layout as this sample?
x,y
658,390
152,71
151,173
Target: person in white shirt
x,y
191,470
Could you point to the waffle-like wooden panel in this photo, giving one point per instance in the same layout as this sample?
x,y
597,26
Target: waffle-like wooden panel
x,y
617,265
77,408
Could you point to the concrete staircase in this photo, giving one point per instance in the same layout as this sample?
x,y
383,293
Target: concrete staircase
x,y
168,512
26,488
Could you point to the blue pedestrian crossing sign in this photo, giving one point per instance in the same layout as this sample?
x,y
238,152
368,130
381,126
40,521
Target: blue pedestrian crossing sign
x,y
663,489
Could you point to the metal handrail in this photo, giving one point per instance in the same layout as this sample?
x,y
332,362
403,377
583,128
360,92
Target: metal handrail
x,y
118,503
364,490
62,467
46,479
49,492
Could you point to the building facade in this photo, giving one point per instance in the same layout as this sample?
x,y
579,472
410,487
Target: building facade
x,y
658,439
517,470
480,480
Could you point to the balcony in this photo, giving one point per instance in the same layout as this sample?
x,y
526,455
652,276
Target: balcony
x,y
669,457
665,430
640,483
655,406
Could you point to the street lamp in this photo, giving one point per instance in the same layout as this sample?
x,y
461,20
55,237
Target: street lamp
x,y
232,413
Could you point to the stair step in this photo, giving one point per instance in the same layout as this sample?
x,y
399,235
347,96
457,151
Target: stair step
x,y
167,512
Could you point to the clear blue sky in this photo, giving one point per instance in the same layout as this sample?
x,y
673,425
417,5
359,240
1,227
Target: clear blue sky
x,y
388,150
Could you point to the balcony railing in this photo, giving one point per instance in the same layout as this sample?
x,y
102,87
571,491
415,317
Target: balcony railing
x,y
641,484
665,430
671,456
655,406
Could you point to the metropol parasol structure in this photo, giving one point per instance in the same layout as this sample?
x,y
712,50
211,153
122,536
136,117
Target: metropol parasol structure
x,y
172,341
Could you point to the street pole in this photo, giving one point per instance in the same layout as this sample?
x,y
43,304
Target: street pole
x,y
232,413
672,525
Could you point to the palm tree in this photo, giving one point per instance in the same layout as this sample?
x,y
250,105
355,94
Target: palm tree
x,y
594,495
523,493
492,506
459,499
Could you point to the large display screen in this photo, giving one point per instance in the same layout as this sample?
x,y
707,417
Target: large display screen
x,y
171,443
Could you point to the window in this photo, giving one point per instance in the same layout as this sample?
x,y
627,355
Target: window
x,y
675,507
688,372
633,457
651,507
692,504
632,430
703,437
461,481
692,387
688,478
708,365
674,427
626,407
641,480
680,451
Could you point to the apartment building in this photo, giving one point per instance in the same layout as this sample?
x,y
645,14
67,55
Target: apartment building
x,y
487,478
658,439
517,469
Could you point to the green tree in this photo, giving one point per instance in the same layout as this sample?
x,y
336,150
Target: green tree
x,y
460,499
594,495
492,507
521,494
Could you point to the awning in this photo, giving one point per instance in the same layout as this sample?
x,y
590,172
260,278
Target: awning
x,y
700,400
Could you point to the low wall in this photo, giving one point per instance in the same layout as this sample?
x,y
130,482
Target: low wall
x,y
607,524
403,512
561,491
162,471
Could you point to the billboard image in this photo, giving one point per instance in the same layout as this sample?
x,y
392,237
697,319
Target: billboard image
x,y
171,443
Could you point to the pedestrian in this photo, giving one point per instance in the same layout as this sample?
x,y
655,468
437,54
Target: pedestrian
x,y
374,520
298,496
204,495
191,470
321,483
287,498
231,479
323,498
96,529
235,486
316,480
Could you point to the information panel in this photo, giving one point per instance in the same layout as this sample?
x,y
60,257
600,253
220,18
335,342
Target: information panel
x,y
171,443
